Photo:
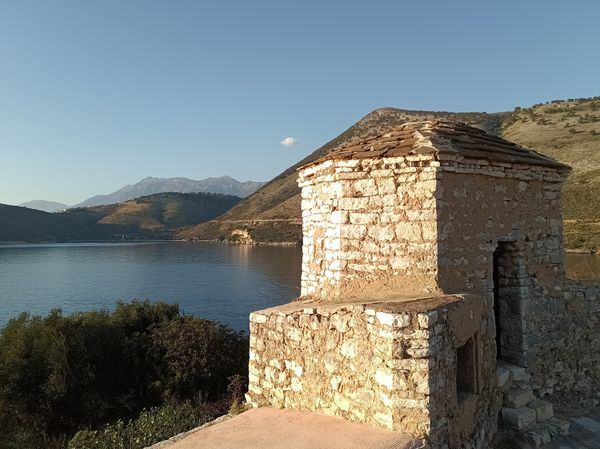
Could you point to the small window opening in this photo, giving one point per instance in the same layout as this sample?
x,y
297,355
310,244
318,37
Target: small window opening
x,y
466,369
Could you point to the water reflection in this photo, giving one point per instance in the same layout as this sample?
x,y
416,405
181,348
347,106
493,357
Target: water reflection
x,y
221,282
216,281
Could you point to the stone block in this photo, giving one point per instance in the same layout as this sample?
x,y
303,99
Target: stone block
x,y
366,187
385,377
561,424
543,410
518,418
385,233
588,423
518,374
362,218
349,349
408,231
502,376
258,318
537,435
518,398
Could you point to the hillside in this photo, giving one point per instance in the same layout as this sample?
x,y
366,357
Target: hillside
x,y
151,217
272,214
154,216
568,131
225,185
20,224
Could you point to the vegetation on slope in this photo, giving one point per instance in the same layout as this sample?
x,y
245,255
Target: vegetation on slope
x,y
63,374
156,216
23,224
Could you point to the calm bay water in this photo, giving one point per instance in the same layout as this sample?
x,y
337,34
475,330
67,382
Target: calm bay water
x,y
220,282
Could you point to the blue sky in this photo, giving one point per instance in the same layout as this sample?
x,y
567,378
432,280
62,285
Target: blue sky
x,y
95,95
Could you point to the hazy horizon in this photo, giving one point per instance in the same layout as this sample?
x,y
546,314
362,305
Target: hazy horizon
x,y
125,185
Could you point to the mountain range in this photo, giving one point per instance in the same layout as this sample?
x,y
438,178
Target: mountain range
x,y
225,185
567,130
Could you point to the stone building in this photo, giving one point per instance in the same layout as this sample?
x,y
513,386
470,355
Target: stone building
x,y
434,297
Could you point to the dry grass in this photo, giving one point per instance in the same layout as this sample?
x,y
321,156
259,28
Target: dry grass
x,y
569,132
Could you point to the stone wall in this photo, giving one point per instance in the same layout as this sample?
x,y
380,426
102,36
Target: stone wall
x,y
380,231
406,224
391,364
550,325
368,220
482,203
564,339
518,213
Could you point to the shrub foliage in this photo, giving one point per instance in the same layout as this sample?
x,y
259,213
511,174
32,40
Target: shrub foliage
x,y
151,426
62,373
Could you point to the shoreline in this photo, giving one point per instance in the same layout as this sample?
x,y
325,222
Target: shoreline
x,y
66,242
252,243
227,242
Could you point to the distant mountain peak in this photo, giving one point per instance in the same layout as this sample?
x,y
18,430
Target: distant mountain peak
x,y
151,185
45,206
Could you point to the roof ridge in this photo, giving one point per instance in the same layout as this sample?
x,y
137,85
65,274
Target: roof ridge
x,y
439,136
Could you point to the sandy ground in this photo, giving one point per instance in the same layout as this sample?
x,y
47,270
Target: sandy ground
x,y
267,428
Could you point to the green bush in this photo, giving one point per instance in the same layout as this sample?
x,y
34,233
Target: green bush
x,y
59,374
152,426
198,357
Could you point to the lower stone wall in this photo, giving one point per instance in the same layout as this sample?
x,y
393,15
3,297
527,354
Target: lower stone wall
x,y
347,361
391,364
564,344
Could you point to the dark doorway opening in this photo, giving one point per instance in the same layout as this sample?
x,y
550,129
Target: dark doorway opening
x,y
510,299
466,368
497,315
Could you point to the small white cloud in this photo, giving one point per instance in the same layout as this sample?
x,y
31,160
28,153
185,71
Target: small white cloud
x,y
289,141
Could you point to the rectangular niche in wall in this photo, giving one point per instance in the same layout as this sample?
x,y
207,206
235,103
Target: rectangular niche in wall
x,y
466,368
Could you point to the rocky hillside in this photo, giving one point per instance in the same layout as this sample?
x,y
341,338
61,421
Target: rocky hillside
x,y
157,216
272,214
566,130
